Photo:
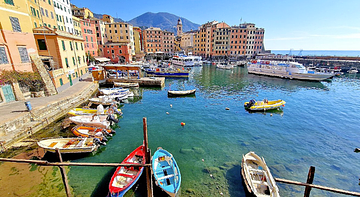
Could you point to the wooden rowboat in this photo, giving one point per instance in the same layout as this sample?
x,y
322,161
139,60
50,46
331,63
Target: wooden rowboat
x,y
86,131
69,145
264,105
95,121
126,85
181,93
166,172
257,176
125,177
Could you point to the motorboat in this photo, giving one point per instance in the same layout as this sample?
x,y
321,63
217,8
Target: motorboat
x,y
288,70
257,177
352,70
263,105
223,65
94,120
95,132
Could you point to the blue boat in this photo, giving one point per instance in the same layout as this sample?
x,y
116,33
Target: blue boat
x,y
166,73
166,172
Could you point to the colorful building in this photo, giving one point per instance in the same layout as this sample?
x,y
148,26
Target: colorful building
x,y
67,52
118,52
63,15
187,41
34,11
83,13
16,39
152,39
238,41
167,40
100,34
138,43
89,36
77,26
47,11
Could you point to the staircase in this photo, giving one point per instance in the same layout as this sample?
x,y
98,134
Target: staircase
x,y
49,86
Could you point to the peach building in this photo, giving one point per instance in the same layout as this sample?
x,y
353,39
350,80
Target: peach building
x,y
221,44
167,40
238,40
89,36
16,39
203,39
152,39
48,15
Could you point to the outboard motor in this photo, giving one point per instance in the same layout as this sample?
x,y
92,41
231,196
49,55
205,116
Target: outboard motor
x,y
116,110
112,118
106,133
98,142
251,103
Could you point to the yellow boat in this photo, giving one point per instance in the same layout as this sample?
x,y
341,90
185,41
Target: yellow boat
x,y
264,105
85,111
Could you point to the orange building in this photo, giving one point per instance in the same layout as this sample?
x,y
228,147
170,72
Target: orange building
x,y
89,35
152,39
238,40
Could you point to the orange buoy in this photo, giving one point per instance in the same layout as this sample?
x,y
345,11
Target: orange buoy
x,y
182,123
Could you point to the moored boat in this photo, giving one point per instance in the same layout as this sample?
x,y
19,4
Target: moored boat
x,y
353,70
223,65
86,131
107,91
104,100
181,92
257,176
86,111
289,70
126,85
69,145
166,172
263,105
167,73
125,177
94,120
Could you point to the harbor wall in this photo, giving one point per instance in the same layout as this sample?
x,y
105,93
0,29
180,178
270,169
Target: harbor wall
x,y
13,131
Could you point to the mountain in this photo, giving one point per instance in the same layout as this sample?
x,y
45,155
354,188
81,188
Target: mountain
x,y
162,20
99,16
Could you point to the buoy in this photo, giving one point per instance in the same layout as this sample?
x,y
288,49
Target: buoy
x,y
167,113
283,105
182,123
270,114
227,108
202,160
170,105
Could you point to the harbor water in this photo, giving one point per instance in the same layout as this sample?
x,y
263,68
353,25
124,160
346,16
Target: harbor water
x,y
319,126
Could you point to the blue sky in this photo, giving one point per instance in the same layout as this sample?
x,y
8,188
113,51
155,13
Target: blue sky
x,y
289,24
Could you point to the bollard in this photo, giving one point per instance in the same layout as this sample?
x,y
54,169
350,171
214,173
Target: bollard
x,y
28,105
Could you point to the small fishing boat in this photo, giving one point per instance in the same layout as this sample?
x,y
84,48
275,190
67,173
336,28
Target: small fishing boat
x,y
69,145
86,131
86,111
353,70
264,105
125,177
107,91
94,120
166,172
257,177
126,85
104,100
181,93
223,65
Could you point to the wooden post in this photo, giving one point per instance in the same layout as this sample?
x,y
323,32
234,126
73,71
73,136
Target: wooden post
x,y
63,174
147,158
310,180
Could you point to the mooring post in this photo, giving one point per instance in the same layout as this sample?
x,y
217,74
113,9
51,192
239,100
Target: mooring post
x,y
310,180
147,161
63,174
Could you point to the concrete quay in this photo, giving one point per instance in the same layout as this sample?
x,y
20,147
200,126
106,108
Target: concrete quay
x,y
17,123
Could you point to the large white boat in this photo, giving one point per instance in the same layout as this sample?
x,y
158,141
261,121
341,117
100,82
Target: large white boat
x,y
290,70
186,61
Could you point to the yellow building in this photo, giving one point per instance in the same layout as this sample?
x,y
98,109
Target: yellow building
x,y
77,26
34,12
48,13
139,52
67,52
83,13
120,32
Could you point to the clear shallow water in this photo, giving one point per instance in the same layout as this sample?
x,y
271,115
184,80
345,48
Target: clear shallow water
x,y
318,127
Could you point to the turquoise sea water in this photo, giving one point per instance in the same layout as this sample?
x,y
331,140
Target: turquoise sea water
x,y
319,126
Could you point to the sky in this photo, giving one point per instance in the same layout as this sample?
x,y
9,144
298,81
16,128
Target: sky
x,y
288,24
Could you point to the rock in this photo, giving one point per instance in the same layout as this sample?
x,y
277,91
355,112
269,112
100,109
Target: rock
x,y
190,191
186,151
198,150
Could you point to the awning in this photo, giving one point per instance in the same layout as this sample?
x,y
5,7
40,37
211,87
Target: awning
x,y
102,59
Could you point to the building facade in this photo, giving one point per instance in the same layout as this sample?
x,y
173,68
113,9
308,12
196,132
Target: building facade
x,y
89,35
16,39
238,41
63,15
67,52
100,34
118,52
47,11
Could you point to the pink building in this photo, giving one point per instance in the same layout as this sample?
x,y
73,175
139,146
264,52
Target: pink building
x,y
117,52
89,35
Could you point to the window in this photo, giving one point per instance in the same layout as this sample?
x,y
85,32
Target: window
x,y
71,46
61,81
82,48
120,51
67,62
76,46
24,55
10,2
42,44
15,24
73,58
3,56
63,45
79,61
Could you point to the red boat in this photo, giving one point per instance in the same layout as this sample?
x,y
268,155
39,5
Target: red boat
x,y
125,177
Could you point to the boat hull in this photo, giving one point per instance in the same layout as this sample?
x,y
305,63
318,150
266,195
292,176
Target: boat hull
x,y
264,106
173,93
166,172
68,145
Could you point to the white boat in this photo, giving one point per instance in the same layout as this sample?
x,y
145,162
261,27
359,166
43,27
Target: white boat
x,y
104,100
107,91
186,61
257,176
181,92
69,145
223,65
94,120
290,70
353,70
126,85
